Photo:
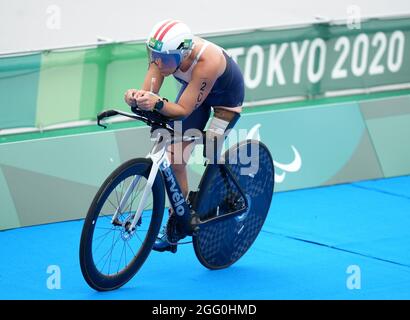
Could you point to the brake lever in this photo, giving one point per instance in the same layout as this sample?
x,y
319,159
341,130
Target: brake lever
x,y
105,114
101,125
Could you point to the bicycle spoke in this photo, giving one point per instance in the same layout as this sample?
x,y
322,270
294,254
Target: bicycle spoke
x,y
131,249
119,262
112,204
139,238
133,197
104,235
107,216
116,195
111,229
122,188
108,252
143,209
129,206
148,205
112,249
125,254
115,207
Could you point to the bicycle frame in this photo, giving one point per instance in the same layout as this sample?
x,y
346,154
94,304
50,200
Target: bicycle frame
x,y
160,162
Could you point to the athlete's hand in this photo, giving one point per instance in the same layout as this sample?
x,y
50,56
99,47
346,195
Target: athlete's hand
x,y
147,100
131,95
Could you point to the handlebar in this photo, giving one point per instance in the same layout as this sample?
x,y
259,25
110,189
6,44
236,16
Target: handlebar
x,y
152,119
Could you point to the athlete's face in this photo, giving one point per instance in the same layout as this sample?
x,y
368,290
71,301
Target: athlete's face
x,y
167,61
164,69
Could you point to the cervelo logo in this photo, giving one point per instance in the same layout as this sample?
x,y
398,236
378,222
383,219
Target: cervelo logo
x,y
176,197
294,166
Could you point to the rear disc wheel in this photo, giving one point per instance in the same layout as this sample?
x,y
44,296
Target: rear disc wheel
x,y
221,244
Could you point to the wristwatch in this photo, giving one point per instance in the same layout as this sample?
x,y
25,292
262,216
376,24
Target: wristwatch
x,y
160,104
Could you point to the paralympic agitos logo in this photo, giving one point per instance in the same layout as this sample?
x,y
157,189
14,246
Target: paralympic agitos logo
x,y
293,166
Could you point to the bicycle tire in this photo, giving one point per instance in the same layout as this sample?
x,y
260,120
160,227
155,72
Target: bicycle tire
x,y
94,277
219,245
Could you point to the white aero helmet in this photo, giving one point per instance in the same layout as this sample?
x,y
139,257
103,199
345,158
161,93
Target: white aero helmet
x,y
171,41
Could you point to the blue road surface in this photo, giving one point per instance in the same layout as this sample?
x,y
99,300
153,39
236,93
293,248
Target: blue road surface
x,y
348,241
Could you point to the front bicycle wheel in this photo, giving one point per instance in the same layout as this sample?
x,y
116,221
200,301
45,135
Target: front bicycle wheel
x,y
111,251
219,244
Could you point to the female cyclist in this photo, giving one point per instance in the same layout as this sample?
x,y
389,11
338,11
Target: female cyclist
x,y
210,78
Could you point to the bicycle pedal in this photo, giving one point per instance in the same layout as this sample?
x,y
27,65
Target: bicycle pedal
x,y
171,248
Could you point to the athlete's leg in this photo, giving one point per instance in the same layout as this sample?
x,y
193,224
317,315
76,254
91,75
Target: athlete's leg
x,y
179,154
224,119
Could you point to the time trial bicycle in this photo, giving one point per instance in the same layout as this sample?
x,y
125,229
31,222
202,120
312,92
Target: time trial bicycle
x,y
224,215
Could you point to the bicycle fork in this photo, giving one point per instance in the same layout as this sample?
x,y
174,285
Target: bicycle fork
x,y
156,160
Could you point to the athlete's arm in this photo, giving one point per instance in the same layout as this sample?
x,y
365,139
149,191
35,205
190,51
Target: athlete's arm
x,y
152,82
203,79
153,73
